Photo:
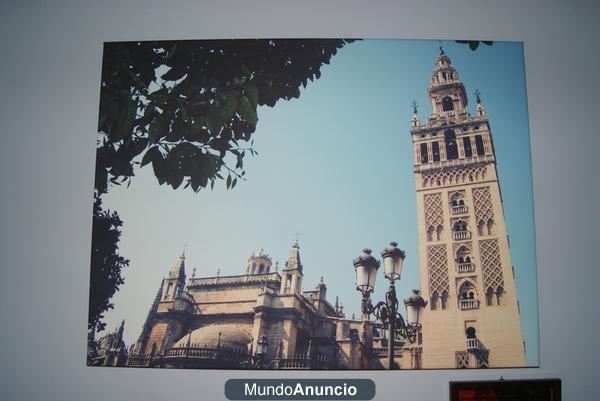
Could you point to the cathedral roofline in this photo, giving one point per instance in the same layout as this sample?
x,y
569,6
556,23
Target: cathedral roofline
x,y
237,280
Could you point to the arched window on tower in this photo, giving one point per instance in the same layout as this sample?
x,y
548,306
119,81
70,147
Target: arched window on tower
x,y
479,145
430,232
444,299
481,228
460,230
433,304
467,296
500,296
471,332
261,268
490,227
435,149
288,284
424,153
457,203
472,342
447,104
463,260
489,296
439,232
451,148
467,146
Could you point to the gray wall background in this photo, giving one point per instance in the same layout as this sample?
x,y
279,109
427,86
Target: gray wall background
x,y
49,74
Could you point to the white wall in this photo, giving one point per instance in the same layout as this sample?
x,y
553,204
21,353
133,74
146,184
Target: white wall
x,y
49,71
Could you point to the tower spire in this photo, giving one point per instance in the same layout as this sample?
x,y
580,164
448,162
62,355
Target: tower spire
x,y
292,273
415,118
446,92
479,110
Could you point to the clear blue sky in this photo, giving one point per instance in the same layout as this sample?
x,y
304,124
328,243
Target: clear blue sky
x,y
334,165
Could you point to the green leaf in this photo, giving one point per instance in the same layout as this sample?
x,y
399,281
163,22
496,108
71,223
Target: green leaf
x,y
213,122
184,112
152,133
233,183
230,105
176,180
149,155
126,117
199,122
246,71
157,167
246,110
251,91
228,181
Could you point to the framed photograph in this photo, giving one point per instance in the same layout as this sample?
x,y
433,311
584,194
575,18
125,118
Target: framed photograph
x,y
313,204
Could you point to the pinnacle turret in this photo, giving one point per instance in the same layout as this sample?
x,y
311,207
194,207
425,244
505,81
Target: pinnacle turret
x,y
446,92
293,262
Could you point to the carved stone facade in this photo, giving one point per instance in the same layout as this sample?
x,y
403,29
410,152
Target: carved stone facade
x,y
216,322
472,319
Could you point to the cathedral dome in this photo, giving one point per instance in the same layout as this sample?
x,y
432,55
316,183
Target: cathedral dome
x,y
224,335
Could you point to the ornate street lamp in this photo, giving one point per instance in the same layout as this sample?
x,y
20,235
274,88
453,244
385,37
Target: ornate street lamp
x,y
414,303
366,267
261,347
393,258
259,359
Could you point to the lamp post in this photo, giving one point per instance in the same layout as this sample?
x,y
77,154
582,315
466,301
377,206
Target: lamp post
x,y
366,267
259,359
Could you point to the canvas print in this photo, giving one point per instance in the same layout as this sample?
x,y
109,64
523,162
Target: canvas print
x,y
313,204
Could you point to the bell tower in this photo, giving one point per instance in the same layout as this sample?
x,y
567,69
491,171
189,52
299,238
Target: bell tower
x,y
292,273
472,319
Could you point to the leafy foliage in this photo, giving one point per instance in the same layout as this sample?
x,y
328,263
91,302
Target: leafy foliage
x,y
106,263
189,107
474,44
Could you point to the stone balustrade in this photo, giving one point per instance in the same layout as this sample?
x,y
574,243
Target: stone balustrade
x,y
467,304
472,344
233,280
466,267
431,165
459,209
461,235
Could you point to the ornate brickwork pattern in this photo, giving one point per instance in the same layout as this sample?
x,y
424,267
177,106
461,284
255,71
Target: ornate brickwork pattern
x,y
433,210
482,200
462,360
459,175
490,263
483,359
437,263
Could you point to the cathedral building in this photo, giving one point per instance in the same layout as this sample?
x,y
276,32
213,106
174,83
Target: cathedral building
x,y
220,321
466,273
